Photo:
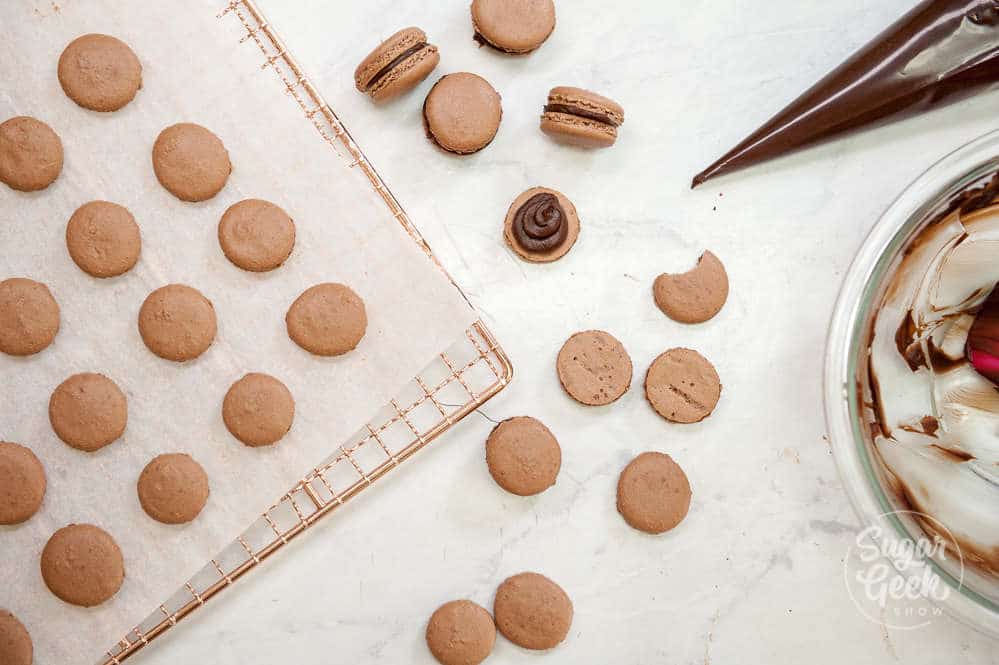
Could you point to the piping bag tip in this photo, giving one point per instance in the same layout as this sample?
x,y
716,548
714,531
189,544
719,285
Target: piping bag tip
x,y
959,38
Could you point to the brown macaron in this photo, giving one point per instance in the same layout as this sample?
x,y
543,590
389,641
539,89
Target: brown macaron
x,y
541,225
594,368
191,162
29,316
327,319
22,484
682,386
99,72
513,26
461,633
396,65
580,117
258,410
653,493
30,154
82,565
532,611
103,239
177,322
173,488
462,113
523,456
15,642
256,235
88,411
696,295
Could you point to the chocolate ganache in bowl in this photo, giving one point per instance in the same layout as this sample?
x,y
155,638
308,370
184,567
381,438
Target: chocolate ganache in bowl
x,y
912,376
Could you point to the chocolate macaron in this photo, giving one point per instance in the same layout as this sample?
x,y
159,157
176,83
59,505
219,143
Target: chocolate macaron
x,y
653,493
462,113
396,65
513,26
541,225
580,117
696,295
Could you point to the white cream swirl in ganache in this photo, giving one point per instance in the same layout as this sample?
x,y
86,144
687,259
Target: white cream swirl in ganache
x,y
935,417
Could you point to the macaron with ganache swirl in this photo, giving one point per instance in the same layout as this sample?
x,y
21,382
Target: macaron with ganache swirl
x,y
541,225
396,65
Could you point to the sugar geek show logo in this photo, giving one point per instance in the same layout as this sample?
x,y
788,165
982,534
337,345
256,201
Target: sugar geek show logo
x,y
892,580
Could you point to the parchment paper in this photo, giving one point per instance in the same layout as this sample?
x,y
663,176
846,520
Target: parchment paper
x,y
194,70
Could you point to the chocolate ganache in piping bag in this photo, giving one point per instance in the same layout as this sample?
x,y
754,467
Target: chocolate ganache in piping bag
x,y
940,52
934,400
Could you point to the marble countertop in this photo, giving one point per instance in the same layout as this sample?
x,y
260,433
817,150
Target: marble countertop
x,y
755,573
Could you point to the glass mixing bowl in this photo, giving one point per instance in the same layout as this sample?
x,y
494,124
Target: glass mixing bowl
x,y
974,594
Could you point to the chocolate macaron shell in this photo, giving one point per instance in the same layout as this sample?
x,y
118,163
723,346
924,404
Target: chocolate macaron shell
x,y
513,26
396,65
577,131
584,102
462,113
549,255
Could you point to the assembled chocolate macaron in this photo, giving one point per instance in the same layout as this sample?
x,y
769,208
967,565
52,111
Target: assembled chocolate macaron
x,y
396,65
513,26
581,117
462,113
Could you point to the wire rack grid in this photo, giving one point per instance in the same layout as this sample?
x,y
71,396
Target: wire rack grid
x,y
454,384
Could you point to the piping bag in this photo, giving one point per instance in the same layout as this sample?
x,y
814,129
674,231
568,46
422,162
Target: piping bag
x,y
939,52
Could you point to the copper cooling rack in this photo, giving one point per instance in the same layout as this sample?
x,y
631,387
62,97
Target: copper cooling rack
x,y
455,383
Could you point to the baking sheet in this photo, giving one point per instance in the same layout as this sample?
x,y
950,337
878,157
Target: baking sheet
x,y
194,69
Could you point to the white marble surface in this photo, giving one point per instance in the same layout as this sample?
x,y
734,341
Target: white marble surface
x,y
754,574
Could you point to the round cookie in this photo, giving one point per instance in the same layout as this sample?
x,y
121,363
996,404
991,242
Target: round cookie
x,y
82,565
258,410
396,65
173,488
696,295
30,154
29,316
177,322
15,642
653,494
594,368
256,235
88,411
22,484
523,456
190,162
462,113
99,72
532,611
541,225
513,26
461,633
103,239
682,386
327,319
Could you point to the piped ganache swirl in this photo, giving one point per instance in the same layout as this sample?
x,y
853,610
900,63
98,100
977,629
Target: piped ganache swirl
x,y
540,224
